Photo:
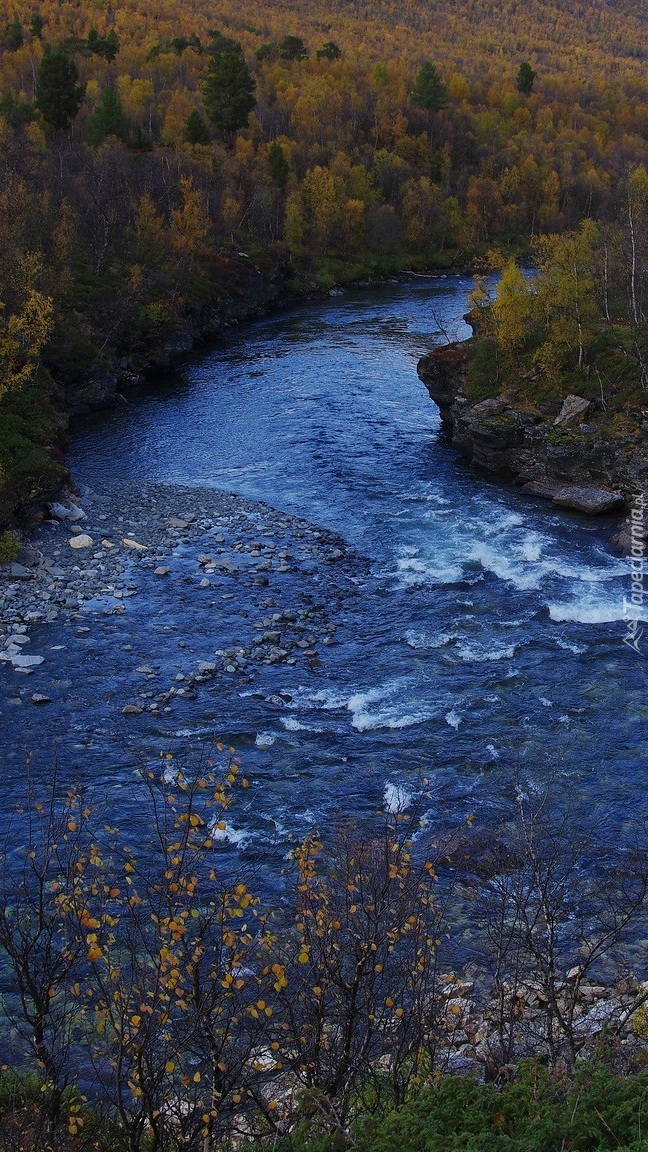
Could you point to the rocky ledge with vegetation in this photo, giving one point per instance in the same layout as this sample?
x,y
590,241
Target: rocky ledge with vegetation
x,y
550,390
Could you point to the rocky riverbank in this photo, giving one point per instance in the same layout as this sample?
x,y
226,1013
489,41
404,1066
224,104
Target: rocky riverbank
x,y
90,557
556,449
242,291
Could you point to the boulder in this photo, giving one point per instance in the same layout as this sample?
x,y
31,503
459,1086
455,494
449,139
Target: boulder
x,y
547,489
19,572
572,406
593,501
81,541
70,512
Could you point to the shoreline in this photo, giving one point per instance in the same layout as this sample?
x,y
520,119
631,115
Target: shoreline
x,y
94,555
550,453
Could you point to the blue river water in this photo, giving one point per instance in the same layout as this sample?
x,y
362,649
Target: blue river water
x,y
479,640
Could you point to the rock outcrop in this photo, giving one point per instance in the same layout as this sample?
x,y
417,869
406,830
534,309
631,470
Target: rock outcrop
x,y
547,450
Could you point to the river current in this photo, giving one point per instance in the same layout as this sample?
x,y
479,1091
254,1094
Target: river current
x,y
479,633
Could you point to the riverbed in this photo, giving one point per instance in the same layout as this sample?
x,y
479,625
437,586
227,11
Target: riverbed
x,y
321,583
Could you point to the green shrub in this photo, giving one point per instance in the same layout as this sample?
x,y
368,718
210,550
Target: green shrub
x,y
9,547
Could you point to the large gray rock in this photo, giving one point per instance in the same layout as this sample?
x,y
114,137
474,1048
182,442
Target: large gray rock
x,y
547,489
593,501
572,406
70,512
19,572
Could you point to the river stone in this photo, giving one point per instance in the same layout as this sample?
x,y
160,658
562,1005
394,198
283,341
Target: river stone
x,y
490,407
163,570
28,556
70,512
39,698
81,541
128,543
547,489
593,501
572,406
19,572
26,661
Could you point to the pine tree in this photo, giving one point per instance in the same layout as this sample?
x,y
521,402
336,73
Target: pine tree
x,y
277,163
293,48
329,51
429,91
13,37
195,129
36,25
58,92
525,78
108,119
228,91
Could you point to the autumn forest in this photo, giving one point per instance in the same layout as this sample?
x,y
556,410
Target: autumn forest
x,y
145,149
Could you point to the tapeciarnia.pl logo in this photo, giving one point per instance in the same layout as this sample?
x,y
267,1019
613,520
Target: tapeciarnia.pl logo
x,y
633,608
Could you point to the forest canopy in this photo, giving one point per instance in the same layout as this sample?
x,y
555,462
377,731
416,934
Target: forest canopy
x,y
143,149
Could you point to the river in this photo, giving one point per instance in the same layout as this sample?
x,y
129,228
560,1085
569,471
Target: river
x,y
464,634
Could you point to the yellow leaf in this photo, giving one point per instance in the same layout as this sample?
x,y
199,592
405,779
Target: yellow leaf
x,y
136,1021
303,957
169,1066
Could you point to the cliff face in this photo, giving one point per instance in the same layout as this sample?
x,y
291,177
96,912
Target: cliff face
x,y
553,453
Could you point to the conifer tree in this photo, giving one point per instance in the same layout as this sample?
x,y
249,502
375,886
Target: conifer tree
x,y
108,119
429,91
58,92
228,90
195,129
525,78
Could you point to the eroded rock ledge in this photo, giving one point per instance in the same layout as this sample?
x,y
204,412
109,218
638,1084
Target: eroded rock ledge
x,y
551,451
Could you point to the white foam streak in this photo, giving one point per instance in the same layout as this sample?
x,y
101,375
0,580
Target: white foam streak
x,y
396,798
588,612
292,725
227,834
481,653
